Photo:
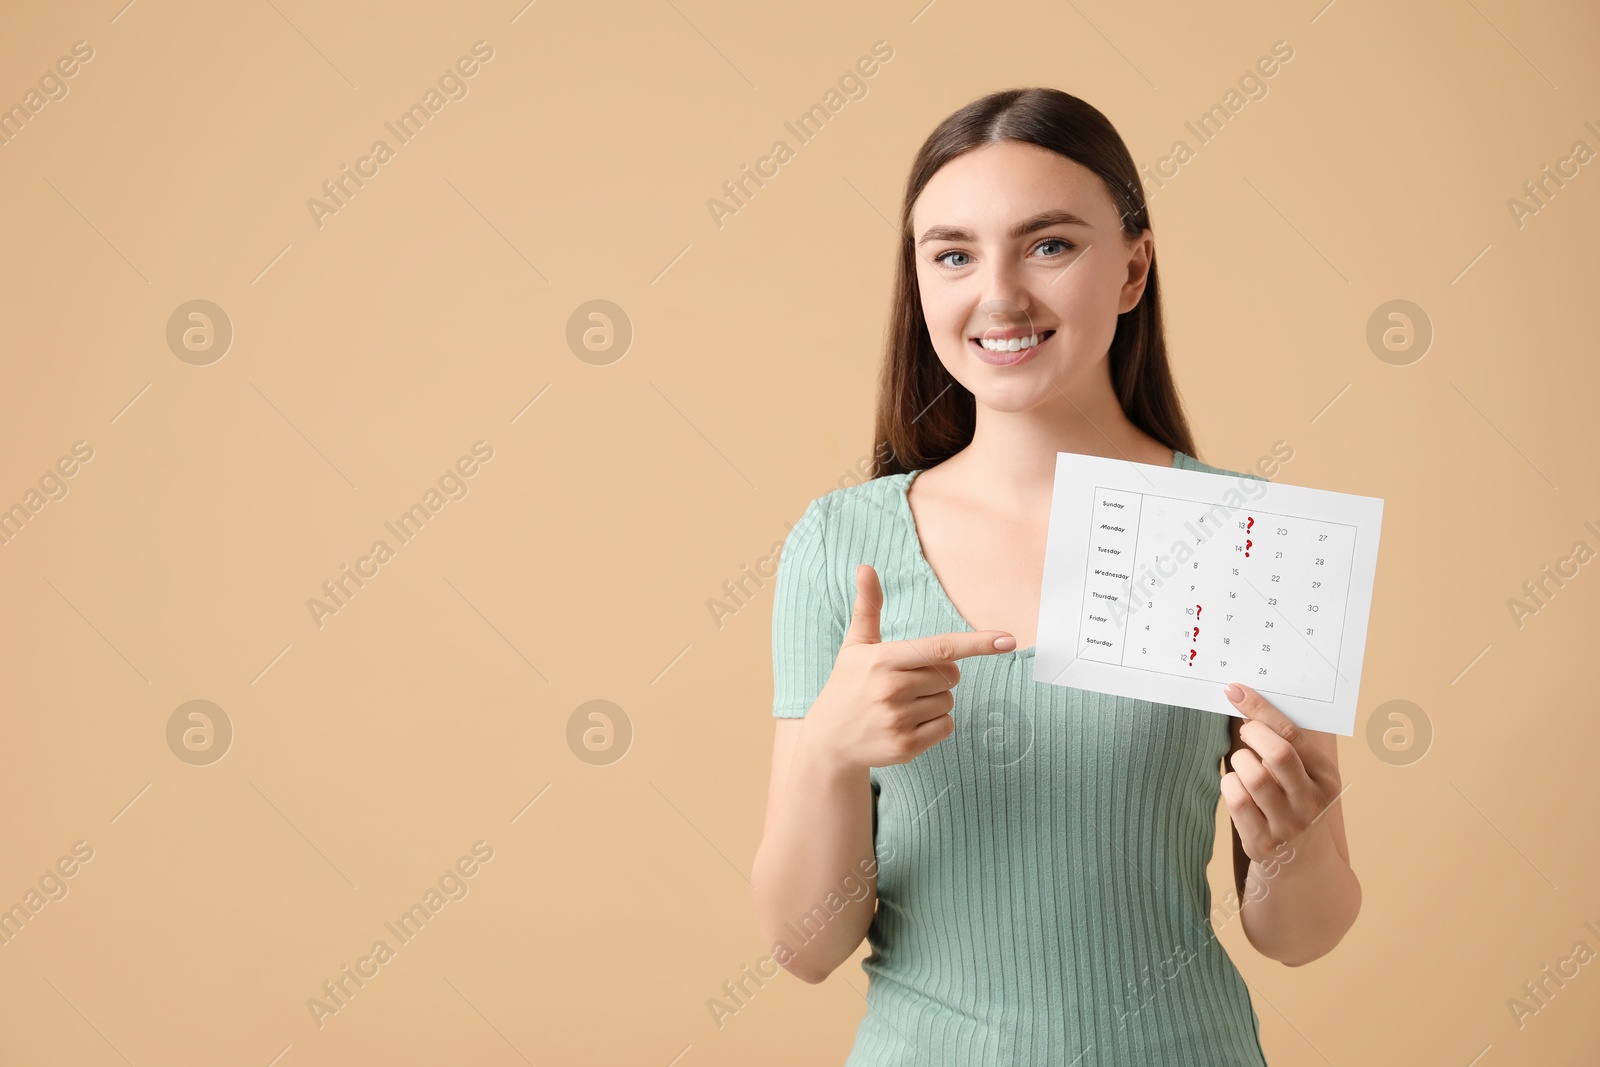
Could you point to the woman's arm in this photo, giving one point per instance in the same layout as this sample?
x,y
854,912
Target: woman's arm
x,y
816,850
1291,860
815,876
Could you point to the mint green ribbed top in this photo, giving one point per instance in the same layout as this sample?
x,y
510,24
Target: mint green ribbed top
x,y
1042,893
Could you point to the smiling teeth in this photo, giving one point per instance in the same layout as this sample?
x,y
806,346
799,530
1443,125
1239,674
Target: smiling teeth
x,y
1016,344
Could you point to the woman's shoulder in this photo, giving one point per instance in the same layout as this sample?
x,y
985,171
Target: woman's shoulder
x,y
831,530
873,500
1184,461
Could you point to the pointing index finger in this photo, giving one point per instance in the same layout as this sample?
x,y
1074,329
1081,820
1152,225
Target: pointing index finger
x,y
949,647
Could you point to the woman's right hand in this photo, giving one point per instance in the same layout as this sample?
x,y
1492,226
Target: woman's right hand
x,y
887,702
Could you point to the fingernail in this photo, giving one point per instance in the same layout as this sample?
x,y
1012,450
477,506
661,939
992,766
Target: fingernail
x,y
1235,694
1005,644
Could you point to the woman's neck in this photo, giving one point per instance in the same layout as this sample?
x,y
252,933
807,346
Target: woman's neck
x,y
1011,460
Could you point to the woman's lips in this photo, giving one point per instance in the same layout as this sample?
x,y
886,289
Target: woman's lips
x,y
1008,359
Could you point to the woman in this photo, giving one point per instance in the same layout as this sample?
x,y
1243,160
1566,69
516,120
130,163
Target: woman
x,y
1027,861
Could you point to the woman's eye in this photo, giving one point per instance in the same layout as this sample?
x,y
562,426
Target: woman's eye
x,y
1065,247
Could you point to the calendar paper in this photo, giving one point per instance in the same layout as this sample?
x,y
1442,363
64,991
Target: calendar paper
x,y
1165,584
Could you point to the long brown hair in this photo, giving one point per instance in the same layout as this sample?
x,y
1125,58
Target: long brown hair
x,y
924,415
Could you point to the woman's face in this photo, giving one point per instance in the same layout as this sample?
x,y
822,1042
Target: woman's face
x,y
1064,280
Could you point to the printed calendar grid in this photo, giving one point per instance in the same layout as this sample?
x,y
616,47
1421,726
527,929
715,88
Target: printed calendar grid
x,y
1261,689
1344,616
1207,506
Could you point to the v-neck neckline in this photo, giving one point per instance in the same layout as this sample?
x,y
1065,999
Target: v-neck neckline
x,y
927,568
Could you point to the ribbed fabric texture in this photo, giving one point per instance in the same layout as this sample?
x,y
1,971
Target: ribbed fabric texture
x,y
1042,893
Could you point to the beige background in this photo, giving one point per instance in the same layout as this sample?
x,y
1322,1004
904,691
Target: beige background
x,y
432,711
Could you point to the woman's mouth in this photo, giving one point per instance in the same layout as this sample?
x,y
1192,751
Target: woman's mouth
x,y
998,351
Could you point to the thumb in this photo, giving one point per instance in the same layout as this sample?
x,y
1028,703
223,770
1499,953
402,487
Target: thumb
x,y
869,601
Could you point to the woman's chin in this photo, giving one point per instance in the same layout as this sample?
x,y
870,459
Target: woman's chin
x,y
1016,395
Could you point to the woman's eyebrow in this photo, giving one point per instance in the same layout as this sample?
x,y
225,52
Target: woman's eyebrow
x,y
1042,220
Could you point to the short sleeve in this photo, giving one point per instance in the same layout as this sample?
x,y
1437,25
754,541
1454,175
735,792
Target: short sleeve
x,y
808,618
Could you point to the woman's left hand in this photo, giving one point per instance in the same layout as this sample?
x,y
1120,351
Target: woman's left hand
x,y
1283,778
